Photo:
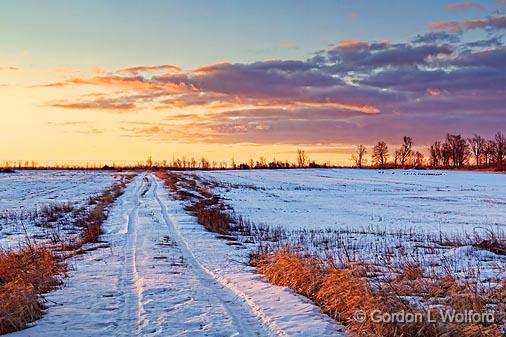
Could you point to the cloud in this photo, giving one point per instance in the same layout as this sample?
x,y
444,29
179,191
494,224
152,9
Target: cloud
x,y
91,131
143,69
459,7
10,68
435,37
353,91
112,104
491,23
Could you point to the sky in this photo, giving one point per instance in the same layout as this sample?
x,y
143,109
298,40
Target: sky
x,y
121,80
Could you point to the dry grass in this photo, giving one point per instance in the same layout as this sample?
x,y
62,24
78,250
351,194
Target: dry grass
x,y
24,275
203,204
348,269
27,273
343,290
210,213
98,213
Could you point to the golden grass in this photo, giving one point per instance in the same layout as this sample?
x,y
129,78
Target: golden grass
x,y
24,275
342,291
27,273
204,205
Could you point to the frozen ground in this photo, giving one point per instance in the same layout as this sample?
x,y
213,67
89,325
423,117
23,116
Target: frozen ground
x,y
164,275
25,191
451,202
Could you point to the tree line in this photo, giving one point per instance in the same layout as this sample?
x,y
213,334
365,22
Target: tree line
x,y
454,151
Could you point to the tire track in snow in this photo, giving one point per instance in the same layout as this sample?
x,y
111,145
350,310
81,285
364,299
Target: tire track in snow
x,y
235,308
129,282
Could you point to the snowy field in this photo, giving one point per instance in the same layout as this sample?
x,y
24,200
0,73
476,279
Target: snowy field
x,y
428,201
162,274
24,193
157,272
428,217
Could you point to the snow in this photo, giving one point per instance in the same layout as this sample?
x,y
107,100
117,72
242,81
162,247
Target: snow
x,y
448,201
162,274
27,190
374,213
159,273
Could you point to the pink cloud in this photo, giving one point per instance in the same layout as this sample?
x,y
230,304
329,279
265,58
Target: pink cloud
x,y
459,7
496,22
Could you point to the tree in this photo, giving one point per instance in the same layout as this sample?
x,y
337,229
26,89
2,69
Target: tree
x,y
500,149
459,149
435,154
418,159
489,152
204,163
446,154
380,154
358,157
397,157
302,159
405,150
477,144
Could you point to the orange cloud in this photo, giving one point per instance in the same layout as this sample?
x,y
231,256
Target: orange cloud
x,y
458,7
142,69
496,22
352,44
98,104
123,82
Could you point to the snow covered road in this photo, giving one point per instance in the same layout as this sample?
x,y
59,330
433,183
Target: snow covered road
x,y
149,282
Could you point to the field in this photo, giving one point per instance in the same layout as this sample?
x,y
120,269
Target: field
x,y
192,253
27,195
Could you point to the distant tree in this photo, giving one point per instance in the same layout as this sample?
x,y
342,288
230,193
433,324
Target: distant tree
x,y
380,154
358,156
405,150
459,149
477,144
397,157
446,154
500,149
302,159
418,159
489,152
435,154
149,162
204,163
262,163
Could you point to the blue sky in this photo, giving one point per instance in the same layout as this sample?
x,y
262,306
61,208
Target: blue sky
x,y
192,33
119,79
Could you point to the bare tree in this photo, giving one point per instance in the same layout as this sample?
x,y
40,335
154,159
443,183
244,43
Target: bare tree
x,y
418,159
397,157
500,149
380,154
358,156
489,152
477,144
204,163
459,149
446,154
302,159
405,150
435,154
